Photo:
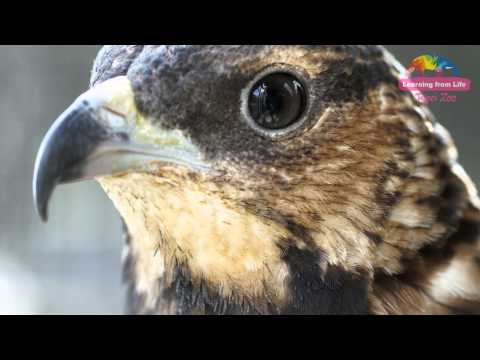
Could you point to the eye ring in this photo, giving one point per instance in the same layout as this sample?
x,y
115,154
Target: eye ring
x,y
294,118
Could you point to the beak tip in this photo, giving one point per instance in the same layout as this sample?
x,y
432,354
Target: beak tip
x,y
41,208
41,195
42,212
43,215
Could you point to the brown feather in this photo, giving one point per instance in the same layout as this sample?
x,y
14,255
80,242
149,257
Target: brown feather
x,y
366,211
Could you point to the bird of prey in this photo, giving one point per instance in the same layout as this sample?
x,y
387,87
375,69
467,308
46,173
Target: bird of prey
x,y
271,180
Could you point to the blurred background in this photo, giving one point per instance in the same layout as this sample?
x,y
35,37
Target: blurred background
x,y
71,265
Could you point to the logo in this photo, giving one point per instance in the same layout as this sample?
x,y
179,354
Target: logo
x,y
436,75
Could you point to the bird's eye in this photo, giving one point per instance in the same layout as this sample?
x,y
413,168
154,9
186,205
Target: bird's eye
x,y
277,101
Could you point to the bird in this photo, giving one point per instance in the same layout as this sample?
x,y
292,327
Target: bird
x,y
271,180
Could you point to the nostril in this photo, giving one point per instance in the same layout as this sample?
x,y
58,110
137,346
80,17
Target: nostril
x,y
113,118
115,112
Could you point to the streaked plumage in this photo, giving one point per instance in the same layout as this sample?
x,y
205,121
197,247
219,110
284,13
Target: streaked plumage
x,y
365,210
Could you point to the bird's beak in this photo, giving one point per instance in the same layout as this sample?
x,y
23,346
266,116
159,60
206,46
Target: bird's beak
x,y
102,133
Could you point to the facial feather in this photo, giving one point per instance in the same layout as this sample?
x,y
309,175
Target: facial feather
x,y
354,197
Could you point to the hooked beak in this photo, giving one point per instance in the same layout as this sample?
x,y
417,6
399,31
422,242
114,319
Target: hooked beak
x,y
102,133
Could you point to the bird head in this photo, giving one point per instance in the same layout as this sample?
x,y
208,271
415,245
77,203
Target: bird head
x,y
240,165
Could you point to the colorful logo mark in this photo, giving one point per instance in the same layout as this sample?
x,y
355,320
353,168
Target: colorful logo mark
x,y
432,73
432,63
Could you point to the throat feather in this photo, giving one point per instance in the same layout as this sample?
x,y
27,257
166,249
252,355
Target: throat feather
x,y
192,251
214,241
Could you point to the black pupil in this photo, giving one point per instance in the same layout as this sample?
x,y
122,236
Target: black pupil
x,y
277,101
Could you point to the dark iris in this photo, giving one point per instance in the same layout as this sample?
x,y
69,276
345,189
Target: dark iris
x,y
277,101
